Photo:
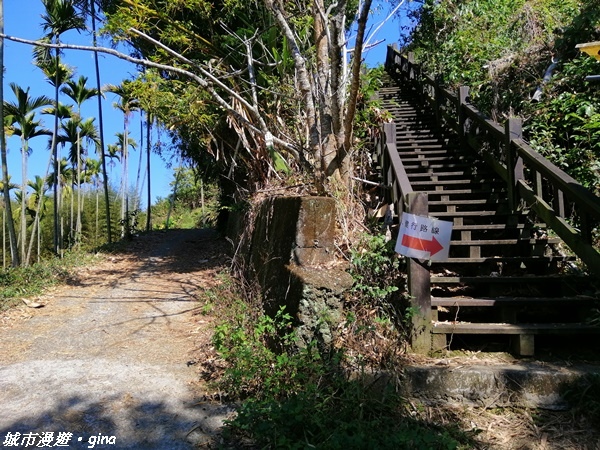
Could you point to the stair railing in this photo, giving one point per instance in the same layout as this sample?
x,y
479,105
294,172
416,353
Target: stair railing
x,y
402,198
533,183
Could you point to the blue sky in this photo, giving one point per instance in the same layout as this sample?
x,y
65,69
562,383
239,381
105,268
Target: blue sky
x,y
23,19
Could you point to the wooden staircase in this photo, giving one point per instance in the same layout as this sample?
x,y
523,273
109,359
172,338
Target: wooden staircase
x,y
507,277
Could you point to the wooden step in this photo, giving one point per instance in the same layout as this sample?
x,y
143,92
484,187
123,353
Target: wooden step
x,y
500,279
454,182
494,226
513,328
511,301
456,192
444,214
425,138
506,259
480,242
478,201
437,174
431,168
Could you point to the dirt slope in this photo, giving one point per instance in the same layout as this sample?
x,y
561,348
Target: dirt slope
x,y
111,355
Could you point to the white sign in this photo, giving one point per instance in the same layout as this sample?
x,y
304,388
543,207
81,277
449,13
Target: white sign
x,y
423,237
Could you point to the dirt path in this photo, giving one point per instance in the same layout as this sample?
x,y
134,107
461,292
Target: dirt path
x,y
110,357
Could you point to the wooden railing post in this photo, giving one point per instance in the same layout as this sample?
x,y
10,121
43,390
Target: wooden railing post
x,y
411,66
419,285
437,99
463,94
389,129
513,129
389,59
389,136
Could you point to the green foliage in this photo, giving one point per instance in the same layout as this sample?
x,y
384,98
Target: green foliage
x,y
342,415
375,269
196,203
501,50
131,223
565,127
369,115
19,282
262,362
303,398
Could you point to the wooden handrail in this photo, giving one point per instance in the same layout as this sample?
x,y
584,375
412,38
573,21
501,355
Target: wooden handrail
x,y
580,194
535,178
405,199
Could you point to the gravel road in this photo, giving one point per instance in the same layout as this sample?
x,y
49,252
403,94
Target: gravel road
x,y
110,357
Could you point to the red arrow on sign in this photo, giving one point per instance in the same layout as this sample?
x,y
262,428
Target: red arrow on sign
x,y
432,246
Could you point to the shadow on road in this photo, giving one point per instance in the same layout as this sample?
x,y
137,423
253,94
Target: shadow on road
x,y
137,425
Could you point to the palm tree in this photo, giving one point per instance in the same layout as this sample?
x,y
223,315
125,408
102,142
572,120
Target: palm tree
x,y
79,93
149,120
75,132
38,197
5,222
88,7
60,16
57,74
123,144
93,168
64,178
14,251
27,127
127,104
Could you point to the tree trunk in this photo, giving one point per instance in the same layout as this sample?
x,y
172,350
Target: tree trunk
x,y
38,209
148,148
14,249
101,122
24,151
79,204
55,190
344,162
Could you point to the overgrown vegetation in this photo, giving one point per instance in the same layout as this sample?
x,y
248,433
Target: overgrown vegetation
x,y
502,49
308,397
23,282
193,203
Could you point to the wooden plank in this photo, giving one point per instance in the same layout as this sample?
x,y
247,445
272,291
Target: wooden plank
x,y
582,196
480,201
398,169
491,226
511,328
501,259
466,214
438,174
500,280
576,242
506,241
459,192
455,182
511,301
491,127
418,281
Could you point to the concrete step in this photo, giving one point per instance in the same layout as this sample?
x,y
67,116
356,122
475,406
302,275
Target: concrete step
x,y
494,383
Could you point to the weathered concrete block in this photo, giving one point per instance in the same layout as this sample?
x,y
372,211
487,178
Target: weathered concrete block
x,y
291,256
320,307
315,231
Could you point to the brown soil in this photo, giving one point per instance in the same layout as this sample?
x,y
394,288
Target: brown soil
x,y
118,352
114,351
